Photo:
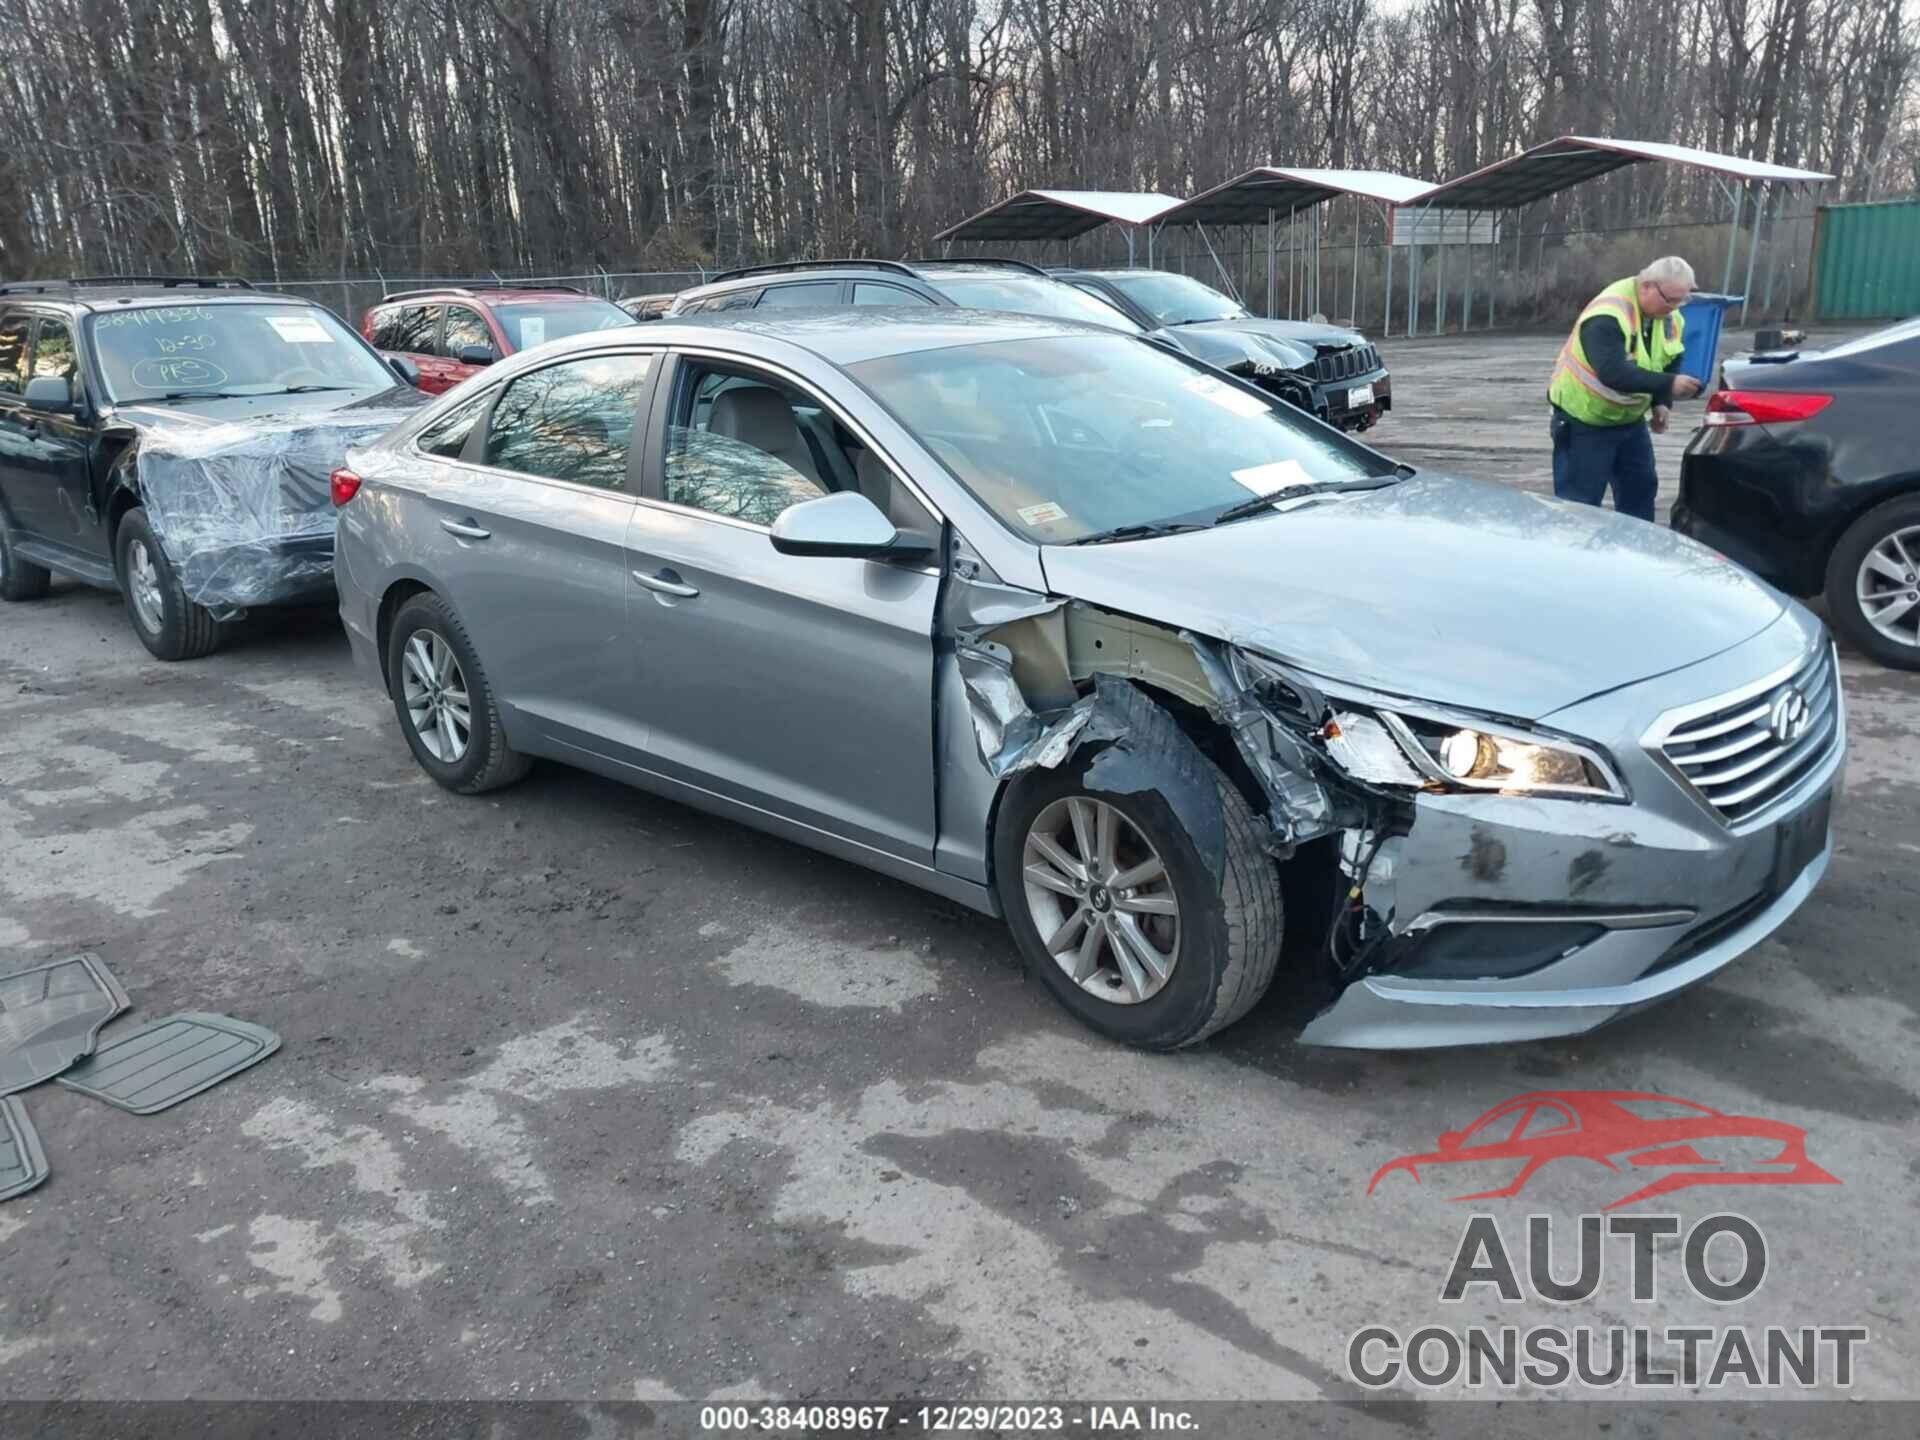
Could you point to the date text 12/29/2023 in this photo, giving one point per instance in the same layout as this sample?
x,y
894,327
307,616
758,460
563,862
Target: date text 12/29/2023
x,y
939,1419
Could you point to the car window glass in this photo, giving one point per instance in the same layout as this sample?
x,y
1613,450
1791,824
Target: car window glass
x,y
447,436
13,353
1032,295
731,300
570,422
410,329
869,294
741,446
1892,335
1663,1109
464,327
1066,436
1177,299
53,351
815,293
528,323
253,348
1545,1120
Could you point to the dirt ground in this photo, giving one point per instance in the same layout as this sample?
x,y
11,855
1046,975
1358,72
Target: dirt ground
x,y
586,1095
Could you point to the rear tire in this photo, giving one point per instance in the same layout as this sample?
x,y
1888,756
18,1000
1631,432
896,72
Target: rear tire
x,y
169,624
444,701
20,579
1218,947
1862,569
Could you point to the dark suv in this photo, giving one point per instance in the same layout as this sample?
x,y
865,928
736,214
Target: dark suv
x,y
974,284
453,332
168,437
1328,370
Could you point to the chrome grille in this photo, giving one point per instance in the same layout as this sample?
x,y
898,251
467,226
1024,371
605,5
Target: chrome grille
x,y
1345,364
1729,753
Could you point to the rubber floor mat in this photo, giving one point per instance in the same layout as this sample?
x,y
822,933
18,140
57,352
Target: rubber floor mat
x,y
163,1063
22,1163
50,1015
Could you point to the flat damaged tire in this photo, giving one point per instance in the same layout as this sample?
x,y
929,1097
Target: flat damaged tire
x,y
169,624
20,579
444,702
1135,883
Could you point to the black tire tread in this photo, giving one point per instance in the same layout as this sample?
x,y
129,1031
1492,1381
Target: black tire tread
x,y
1842,608
503,764
22,579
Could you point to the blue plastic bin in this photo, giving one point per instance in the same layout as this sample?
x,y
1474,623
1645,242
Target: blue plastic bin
x,y
1701,317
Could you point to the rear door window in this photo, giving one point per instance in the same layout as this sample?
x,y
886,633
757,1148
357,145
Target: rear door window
x,y
573,421
731,300
406,328
14,330
815,294
865,293
447,436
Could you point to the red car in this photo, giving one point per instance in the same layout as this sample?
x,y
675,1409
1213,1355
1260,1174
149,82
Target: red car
x,y
1694,1144
450,334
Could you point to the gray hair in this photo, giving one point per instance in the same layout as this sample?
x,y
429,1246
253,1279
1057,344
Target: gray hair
x,y
1668,270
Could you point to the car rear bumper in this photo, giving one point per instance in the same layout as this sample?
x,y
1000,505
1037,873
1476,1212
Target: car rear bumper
x,y
1527,918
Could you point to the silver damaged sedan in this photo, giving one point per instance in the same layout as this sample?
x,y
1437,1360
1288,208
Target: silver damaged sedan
x,y
1195,692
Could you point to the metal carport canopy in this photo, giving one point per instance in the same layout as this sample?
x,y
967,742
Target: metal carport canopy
x,y
1059,214
1574,159
1249,199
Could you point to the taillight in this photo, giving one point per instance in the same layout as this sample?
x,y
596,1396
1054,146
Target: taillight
x,y
1763,407
345,485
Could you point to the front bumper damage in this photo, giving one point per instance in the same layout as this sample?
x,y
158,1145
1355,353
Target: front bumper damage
x,y
1485,916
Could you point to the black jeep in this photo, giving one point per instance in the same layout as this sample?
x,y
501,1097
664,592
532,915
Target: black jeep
x,y
171,438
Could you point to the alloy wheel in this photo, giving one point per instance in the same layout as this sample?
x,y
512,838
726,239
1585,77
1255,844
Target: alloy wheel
x,y
1888,586
1101,900
143,583
435,691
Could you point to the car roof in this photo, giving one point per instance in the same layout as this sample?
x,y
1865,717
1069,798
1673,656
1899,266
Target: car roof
x,y
488,295
847,337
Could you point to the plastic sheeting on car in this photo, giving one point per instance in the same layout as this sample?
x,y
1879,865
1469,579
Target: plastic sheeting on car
x,y
243,510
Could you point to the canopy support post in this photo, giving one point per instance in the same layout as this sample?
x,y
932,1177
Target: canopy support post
x,y
1353,301
1386,305
1270,273
1440,283
1466,304
1739,197
1753,251
1225,278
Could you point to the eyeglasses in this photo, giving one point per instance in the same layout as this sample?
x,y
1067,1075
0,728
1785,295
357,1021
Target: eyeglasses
x,y
1681,299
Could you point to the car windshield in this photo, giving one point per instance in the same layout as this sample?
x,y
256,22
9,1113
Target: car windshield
x,y
151,351
534,322
1031,295
1071,436
1176,299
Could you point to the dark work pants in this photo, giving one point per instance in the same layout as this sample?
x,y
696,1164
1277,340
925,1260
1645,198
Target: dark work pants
x,y
1588,458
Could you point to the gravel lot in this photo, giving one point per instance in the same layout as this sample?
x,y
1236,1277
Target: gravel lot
x,y
587,1095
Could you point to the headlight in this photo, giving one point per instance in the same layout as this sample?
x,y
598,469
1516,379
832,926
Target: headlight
x,y
1383,741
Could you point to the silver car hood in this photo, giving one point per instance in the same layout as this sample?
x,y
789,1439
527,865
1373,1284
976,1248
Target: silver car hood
x,y
1455,591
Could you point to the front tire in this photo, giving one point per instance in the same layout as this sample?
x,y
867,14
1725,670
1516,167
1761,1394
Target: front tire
x,y
1873,583
20,579
444,701
1136,886
169,624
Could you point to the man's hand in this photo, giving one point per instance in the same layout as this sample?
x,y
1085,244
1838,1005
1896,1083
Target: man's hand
x,y
1685,387
1657,421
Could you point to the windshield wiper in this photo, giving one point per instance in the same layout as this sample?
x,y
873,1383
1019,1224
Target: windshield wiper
x,y
306,389
192,395
1244,508
1136,532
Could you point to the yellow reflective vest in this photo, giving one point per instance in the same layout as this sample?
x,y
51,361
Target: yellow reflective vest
x,y
1580,392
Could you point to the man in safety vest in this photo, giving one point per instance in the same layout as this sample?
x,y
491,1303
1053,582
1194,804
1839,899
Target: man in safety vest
x,y
1615,379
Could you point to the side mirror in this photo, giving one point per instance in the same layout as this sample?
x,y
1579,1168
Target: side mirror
x,y
847,524
51,393
405,369
476,355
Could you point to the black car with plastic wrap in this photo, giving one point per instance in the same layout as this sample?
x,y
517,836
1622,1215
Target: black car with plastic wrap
x,y
1805,470
171,438
1327,370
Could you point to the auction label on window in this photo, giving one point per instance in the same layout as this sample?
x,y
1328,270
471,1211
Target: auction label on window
x,y
533,331
1043,514
1266,479
300,330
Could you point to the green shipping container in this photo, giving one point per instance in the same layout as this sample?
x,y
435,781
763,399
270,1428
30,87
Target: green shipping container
x,y
1867,261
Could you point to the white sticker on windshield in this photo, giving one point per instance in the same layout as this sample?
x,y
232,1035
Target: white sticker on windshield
x,y
533,331
1043,514
300,330
1227,397
1267,479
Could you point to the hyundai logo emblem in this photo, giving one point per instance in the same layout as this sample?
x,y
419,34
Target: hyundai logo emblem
x,y
1788,716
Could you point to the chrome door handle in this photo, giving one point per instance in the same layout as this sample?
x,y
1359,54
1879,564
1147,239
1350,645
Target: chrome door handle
x,y
465,532
666,586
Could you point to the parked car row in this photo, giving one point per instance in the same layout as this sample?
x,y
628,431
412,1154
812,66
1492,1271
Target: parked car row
x,y
1037,611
